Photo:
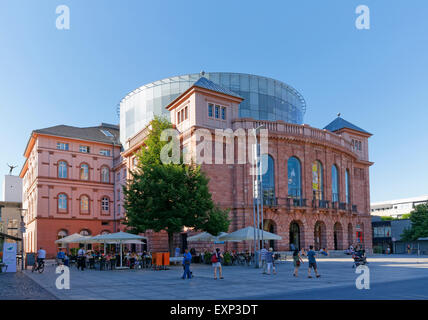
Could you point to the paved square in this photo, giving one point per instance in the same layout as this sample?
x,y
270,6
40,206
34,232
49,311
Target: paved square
x,y
392,277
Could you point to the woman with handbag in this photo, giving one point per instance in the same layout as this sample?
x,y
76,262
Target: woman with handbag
x,y
216,263
297,260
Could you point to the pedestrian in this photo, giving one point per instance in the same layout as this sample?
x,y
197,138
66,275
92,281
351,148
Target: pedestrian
x,y
297,260
312,262
408,249
263,253
187,259
269,261
81,257
216,263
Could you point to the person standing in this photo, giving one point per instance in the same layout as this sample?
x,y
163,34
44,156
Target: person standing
x,y
187,259
81,259
216,263
269,261
312,262
297,260
263,253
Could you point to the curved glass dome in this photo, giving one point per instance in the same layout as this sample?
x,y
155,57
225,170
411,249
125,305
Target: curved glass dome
x,y
265,99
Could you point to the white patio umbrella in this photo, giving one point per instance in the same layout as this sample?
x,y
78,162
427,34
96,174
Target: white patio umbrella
x,y
118,237
203,236
74,238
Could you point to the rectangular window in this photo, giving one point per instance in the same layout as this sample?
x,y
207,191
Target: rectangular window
x,y
105,152
223,113
62,146
185,113
210,110
217,112
84,149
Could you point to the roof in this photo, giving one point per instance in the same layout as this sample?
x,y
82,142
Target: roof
x,y
208,84
87,133
340,123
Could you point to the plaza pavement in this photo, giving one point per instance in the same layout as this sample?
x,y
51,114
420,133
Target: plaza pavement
x,y
241,282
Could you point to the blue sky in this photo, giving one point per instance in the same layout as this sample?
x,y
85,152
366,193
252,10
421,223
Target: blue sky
x,y
377,78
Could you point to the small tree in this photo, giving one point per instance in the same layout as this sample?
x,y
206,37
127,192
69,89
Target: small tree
x,y
419,228
169,196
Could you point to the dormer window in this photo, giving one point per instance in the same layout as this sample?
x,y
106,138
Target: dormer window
x,y
182,115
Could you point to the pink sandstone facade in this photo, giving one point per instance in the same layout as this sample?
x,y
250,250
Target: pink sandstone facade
x,y
318,216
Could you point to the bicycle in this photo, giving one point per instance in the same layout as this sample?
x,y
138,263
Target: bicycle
x,y
40,267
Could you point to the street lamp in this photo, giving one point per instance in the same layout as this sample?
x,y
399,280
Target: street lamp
x,y
23,230
257,200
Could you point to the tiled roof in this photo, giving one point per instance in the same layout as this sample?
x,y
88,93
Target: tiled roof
x,y
340,123
208,84
89,133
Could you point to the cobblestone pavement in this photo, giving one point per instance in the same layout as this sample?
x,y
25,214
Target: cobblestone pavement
x,y
18,286
242,282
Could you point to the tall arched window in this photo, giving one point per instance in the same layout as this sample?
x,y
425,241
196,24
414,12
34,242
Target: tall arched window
x,y
294,178
62,169
62,201
347,187
105,175
317,180
84,171
334,184
84,203
268,179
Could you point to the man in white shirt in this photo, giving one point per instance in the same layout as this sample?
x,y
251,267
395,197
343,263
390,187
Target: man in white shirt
x,y
263,258
81,259
41,255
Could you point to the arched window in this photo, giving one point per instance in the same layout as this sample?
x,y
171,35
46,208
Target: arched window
x,y
268,178
85,232
317,180
294,178
84,203
105,204
62,201
62,169
347,187
61,234
84,171
334,184
105,232
105,174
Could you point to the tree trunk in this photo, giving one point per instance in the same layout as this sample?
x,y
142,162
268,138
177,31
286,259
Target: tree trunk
x,y
171,243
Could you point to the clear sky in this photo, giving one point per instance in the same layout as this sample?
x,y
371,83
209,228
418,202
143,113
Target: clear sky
x,y
377,78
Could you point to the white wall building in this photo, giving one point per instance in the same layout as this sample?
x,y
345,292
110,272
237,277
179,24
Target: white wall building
x,y
396,208
12,188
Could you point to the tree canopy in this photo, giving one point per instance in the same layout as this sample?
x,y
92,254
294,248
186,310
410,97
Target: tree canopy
x,y
169,196
419,228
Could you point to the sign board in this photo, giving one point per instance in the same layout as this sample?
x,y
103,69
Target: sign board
x,y
9,256
30,258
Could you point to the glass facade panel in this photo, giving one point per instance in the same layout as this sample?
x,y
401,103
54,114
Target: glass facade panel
x,y
268,179
294,178
334,184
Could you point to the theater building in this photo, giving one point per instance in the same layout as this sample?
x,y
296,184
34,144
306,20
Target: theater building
x,y
68,184
316,188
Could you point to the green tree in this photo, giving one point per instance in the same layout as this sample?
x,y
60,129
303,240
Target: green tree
x,y
419,228
169,196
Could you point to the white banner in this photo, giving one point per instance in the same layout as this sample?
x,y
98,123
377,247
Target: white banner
x,y
9,256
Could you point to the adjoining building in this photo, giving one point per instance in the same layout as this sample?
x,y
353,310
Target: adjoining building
x,y
396,208
68,184
315,191
387,234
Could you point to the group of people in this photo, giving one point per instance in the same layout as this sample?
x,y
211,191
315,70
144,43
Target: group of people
x,y
216,261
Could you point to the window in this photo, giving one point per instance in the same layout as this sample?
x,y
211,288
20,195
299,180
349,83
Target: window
x,y
84,149
84,203
84,172
105,174
294,178
334,184
62,146
62,201
347,187
105,204
217,112
185,113
62,169
317,180
61,234
210,110
105,152
106,133
223,113
85,232
268,179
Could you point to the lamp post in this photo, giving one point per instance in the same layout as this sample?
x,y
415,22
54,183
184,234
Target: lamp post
x,y
23,230
257,198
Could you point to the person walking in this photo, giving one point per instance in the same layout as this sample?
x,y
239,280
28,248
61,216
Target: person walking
x,y
187,259
297,260
216,263
263,253
312,262
269,261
